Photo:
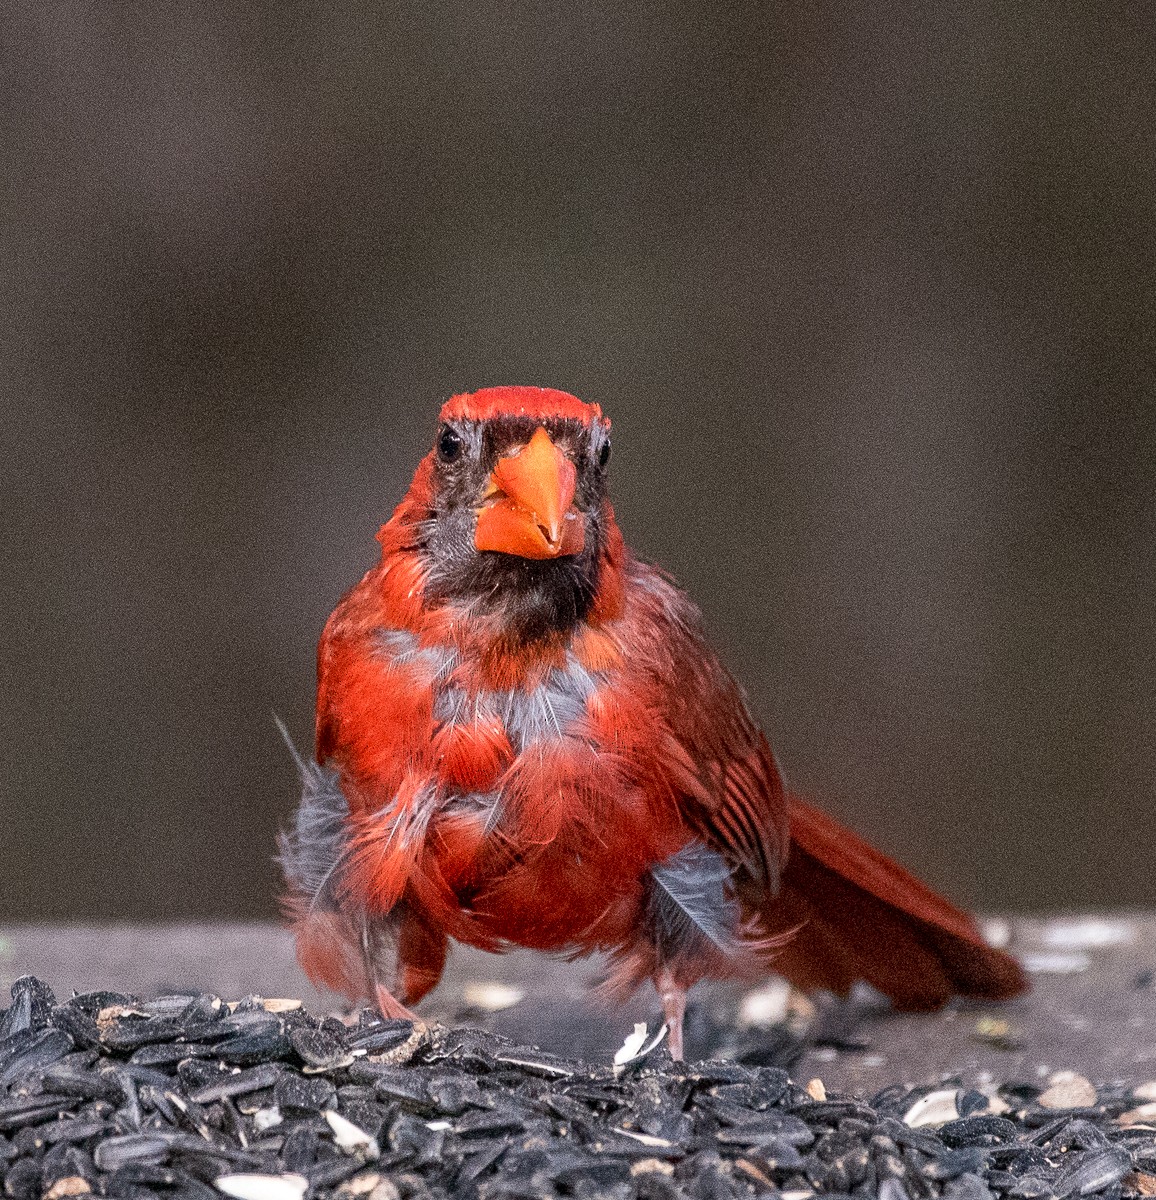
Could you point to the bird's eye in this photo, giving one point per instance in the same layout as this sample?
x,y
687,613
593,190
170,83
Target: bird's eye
x,y
604,454
451,444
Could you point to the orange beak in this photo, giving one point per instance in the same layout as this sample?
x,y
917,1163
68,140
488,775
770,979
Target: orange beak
x,y
528,507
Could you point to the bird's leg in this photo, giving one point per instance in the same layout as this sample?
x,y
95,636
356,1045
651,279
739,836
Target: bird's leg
x,y
674,1007
419,955
388,1004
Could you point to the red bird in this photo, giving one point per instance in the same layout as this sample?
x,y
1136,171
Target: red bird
x,y
524,739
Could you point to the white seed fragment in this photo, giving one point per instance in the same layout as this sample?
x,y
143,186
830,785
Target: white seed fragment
x,y
263,1187
1066,1089
647,1139
280,1006
1144,1114
997,932
631,1046
996,1031
651,1166
1055,962
635,1046
801,1012
816,1090
438,1126
492,996
266,1118
360,1185
1146,1091
70,1185
754,1171
350,1138
1089,933
936,1108
765,1006
114,1012
1140,1183
371,1184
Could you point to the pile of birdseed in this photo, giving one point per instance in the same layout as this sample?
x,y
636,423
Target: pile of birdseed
x,y
189,1097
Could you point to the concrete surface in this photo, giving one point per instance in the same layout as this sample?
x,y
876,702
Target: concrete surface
x,y
1092,1009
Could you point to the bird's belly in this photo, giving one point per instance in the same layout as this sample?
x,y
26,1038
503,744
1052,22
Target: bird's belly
x,y
556,857
557,901
549,820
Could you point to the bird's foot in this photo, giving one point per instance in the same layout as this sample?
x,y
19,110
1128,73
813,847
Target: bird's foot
x,y
391,1007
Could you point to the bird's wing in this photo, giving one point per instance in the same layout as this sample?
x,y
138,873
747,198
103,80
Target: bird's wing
x,y
729,787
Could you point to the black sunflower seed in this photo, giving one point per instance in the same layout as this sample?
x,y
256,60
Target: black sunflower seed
x,y
30,1051
90,1085
168,1054
968,1187
23,1180
126,1179
32,1001
128,1033
978,1131
378,1038
593,1173
1079,1134
366,1115
1093,1172
260,1046
410,1090
18,1111
207,1031
307,1094
77,1024
970,1102
777,1155
415,1141
116,1152
92,1004
300,1148
165,1095
71,1130
488,1124
477,1164
238,1083
320,1048
141,1074
329,1174
957,1162
453,1094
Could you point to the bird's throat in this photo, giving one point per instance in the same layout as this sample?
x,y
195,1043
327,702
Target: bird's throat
x,y
536,599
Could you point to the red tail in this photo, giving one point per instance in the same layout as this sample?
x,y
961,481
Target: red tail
x,y
861,916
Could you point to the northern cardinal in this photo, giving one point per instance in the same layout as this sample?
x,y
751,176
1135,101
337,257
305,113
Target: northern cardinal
x,y
525,739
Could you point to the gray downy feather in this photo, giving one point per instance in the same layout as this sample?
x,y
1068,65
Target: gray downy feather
x,y
314,847
691,900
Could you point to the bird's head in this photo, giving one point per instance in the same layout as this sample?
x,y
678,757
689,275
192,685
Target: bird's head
x,y
508,513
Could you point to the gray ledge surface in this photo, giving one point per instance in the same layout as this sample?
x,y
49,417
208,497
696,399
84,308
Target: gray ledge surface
x,y
1092,1008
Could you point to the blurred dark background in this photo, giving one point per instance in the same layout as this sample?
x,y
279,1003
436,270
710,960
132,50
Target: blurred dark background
x,y
866,288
